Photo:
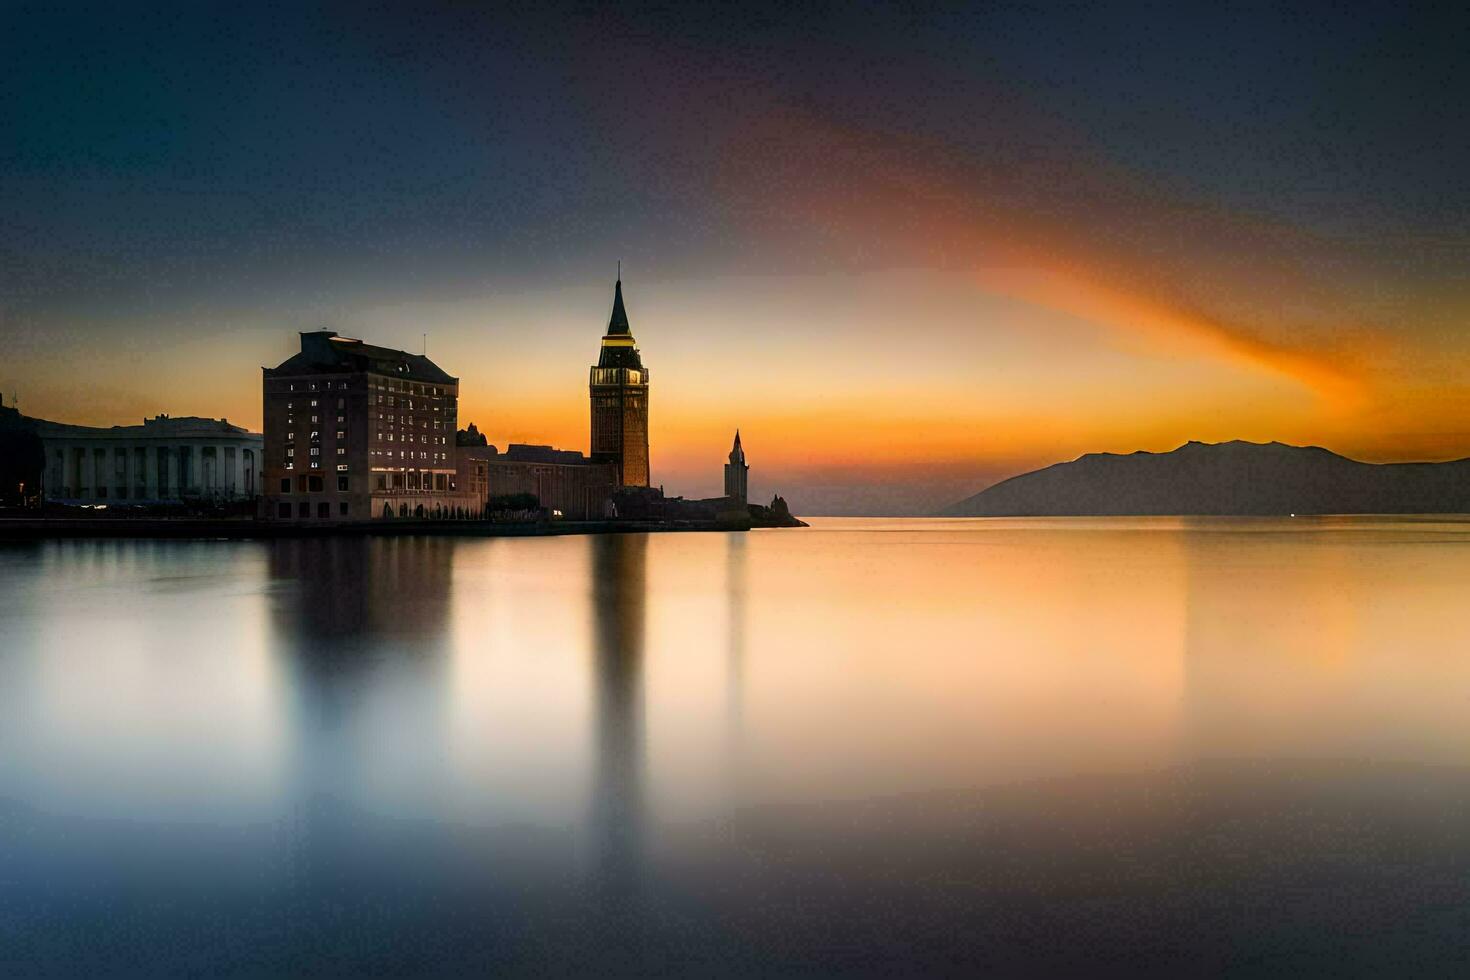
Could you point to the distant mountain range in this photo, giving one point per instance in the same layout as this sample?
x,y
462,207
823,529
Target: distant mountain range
x,y
1246,478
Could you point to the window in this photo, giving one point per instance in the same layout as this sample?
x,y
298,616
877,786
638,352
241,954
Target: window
x,y
290,453
316,450
301,484
342,484
303,509
283,510
290,436
341,419
341,450
382,481
286,485
341,403
341,433
342,508
323,509
315,484
341,467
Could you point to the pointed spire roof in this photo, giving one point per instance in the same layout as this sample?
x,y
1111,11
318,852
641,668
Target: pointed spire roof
x,y
617,324
737,454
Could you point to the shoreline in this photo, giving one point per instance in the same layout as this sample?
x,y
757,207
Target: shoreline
x,y
40,529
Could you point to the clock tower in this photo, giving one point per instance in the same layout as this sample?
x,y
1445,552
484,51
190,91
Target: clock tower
x,y
618,386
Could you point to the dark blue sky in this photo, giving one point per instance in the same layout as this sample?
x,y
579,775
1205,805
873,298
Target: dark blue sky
x,y
146,145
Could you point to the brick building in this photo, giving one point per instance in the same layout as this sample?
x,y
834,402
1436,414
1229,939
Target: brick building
x,y
354,431
565,482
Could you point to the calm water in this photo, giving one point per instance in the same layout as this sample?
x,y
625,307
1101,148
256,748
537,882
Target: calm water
x,y
1023,747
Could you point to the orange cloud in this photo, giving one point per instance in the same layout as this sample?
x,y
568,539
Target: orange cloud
x,y
1092,252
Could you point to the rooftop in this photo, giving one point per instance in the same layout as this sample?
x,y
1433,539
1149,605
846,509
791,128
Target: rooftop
x,y
324,352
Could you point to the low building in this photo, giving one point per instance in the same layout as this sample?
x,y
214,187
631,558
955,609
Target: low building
x,y
565,482
354,432
164,460
22,459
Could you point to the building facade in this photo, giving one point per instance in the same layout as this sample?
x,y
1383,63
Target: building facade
x,y
164,460
618,386
736,472
355,432
566,483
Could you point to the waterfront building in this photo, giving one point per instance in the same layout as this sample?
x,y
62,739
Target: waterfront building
x,y
618,387
164,460
565,482
736,472
354,431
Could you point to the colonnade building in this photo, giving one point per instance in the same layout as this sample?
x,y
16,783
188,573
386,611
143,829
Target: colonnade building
x,y
164,460
354,431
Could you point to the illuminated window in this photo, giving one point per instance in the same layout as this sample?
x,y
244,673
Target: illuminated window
x,y
341,450
341,434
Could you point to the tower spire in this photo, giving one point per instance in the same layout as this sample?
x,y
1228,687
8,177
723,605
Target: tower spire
x,y
617,324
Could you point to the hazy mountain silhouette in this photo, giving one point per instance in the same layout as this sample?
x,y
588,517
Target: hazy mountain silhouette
x,y
1226,478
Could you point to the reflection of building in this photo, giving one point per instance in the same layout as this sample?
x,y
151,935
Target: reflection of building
x,y
163,460
354,431
736,472
619,598
561,480
618,386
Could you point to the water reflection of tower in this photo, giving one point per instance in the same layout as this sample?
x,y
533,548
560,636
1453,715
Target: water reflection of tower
x,y
619,588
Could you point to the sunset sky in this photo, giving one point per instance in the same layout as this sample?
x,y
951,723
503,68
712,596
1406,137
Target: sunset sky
x,y
907,254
